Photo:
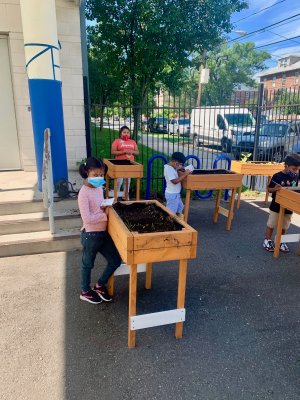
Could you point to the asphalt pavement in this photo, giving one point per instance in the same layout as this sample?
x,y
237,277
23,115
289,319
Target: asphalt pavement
x,y
241,335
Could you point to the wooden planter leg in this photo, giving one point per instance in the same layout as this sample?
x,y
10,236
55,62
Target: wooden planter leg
x,y
187,205
116,189
267,190
231,207
138,188
126,188
132,303
239,197
148,276
278,232
107,187
181,295
111,283
216,213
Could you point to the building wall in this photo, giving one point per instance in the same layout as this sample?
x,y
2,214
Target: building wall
x,y
292,80
71,72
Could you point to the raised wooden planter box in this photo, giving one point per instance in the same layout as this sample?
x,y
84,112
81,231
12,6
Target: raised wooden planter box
x,y
123,169
288,198
147,248
256,168
209,180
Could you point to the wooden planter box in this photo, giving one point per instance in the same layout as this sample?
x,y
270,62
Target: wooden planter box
x,y
288,198
137,248
132,170
212,180
147,248
118,170
256,168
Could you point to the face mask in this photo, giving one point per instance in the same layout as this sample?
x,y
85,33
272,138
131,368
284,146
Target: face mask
x,y
96,181
292,174
124,137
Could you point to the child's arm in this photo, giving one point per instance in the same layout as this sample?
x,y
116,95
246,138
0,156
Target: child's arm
x,y
86,215
181,176
274,186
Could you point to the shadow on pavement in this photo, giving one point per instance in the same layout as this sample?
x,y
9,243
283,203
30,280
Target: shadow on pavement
x,y
242,330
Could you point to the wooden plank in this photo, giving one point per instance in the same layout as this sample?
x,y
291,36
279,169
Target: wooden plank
x,y
255,169
217,206
132,303
148,280
223,211
279,231
181,295
231,207
156,240
290,238
289,199
164,254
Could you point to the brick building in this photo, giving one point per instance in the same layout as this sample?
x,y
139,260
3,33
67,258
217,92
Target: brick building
x,y
286,75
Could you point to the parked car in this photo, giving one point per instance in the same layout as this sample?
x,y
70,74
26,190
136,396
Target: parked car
x,y
218,125
180,126
275,140
157,125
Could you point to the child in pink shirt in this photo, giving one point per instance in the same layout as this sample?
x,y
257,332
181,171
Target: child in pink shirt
x,y
124,148
94,237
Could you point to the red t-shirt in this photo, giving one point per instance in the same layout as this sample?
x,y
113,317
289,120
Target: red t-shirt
x,y
124,145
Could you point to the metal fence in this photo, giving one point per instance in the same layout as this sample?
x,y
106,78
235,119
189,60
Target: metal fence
x,y
253,125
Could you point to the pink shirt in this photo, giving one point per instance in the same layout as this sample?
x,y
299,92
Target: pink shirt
x,y
123,145
93,216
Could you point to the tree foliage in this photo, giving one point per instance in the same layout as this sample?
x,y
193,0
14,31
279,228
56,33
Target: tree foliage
x,y
229,67
151,41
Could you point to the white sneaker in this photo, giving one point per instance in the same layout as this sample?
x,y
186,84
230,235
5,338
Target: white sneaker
x,y
268,245
284,248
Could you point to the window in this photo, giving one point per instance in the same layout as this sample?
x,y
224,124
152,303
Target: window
x,y
247,95
274,81
283,80
220,122
296,78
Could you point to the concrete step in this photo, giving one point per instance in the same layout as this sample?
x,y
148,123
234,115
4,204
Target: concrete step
x,y
36,222
34,206
39,242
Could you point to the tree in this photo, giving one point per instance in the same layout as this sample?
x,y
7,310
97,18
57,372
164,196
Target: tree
x,y
230,67
151,40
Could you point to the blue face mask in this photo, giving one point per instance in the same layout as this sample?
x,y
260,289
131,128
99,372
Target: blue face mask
x,y
96,181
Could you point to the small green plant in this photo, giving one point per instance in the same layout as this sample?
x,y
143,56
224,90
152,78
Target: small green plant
x,y
245,157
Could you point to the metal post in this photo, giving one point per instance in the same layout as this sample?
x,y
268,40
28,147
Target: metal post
x,y
257,126
202,65
47,179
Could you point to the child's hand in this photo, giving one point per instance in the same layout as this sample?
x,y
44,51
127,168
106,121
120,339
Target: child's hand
x,y
277,187
187,172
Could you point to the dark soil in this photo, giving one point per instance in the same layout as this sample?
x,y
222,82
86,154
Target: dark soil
x,y
146,218
211,172
121,162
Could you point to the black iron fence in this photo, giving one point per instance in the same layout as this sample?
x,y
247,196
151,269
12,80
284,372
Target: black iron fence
x,y
255,124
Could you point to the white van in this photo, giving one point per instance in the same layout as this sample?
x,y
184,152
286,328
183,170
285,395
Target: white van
x,y
218,125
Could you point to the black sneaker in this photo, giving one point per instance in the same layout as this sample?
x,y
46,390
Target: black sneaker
x,y
103,293
91,296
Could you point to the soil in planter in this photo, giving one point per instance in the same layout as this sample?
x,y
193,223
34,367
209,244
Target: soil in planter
x,y
146,218
211,172
121,162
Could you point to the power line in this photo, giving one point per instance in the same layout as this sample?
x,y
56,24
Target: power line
x,y
258,12
282,36
265,27
279,41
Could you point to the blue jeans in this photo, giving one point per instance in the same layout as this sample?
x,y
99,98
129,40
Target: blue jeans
x,y
92,243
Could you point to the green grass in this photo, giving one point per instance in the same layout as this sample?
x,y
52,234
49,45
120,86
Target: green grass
x,y
101,145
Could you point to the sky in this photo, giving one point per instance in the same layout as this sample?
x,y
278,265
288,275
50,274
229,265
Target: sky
x,y
263,18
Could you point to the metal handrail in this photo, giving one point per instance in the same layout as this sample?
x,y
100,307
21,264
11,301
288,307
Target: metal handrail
x,y
47,179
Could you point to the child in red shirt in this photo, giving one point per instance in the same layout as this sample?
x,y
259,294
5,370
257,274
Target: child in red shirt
x,y
124,148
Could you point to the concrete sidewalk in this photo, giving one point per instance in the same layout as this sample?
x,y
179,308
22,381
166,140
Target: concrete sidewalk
x,y
241,335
